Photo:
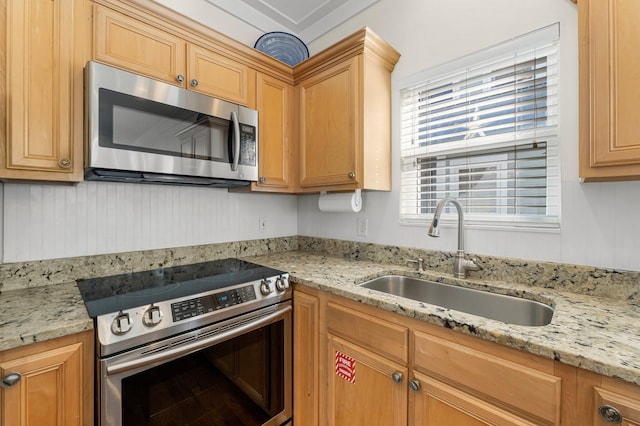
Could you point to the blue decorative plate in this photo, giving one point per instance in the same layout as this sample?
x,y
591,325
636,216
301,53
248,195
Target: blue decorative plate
x,y
284,47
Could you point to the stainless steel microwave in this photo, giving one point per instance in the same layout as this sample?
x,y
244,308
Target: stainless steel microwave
x,y
147,131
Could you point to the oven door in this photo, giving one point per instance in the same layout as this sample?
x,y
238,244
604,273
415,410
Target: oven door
x,y
236,372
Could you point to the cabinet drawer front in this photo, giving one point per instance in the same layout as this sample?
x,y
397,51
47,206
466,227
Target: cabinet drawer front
x,y
629,408
379,336
514,385
437,403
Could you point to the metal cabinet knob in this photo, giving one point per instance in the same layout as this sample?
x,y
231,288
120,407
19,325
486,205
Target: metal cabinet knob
x,y
351,175
610,414
10,380
414,385
396,376
65,163
194,82
263,179
180,78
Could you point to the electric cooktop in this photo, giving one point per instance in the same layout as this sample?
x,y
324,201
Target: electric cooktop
x,y
115,293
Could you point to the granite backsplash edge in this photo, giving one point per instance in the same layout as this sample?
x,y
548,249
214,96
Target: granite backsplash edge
x,y
20,275
579,279
587,280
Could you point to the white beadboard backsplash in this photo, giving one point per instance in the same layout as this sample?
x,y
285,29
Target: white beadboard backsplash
x,y
55,221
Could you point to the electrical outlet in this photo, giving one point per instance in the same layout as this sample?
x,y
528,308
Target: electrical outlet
x,y
362,227
262,224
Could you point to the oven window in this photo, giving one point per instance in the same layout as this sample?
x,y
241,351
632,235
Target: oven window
x,y
237,382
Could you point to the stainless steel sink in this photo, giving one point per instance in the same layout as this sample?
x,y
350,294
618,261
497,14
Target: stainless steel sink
x,y
508,309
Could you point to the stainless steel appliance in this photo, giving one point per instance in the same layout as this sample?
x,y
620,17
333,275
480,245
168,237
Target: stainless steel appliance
x,y
147,131
201,344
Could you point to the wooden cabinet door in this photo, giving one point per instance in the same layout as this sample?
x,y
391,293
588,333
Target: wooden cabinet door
x,y
216,75
273,102
329,127
438,404
609,89
306,311
50,390
43,89
370,396
137,47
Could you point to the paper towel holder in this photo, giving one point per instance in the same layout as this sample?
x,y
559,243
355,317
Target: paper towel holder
x,y
344,201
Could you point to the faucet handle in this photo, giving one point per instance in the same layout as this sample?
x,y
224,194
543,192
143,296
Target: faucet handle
x,y
419,263
462,265
471,265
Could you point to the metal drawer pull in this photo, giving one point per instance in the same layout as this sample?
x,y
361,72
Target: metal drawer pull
x,y
10,380
414,385
610,414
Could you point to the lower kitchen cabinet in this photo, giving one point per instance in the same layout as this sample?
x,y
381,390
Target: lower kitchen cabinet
x,y
604,401
306,364
436,403
363,387
357,364
475,386
55,385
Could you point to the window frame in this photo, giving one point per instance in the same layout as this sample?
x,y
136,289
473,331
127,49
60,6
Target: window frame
x,y
476,60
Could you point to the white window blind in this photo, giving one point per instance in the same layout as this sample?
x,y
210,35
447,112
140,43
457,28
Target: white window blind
x,y
484,129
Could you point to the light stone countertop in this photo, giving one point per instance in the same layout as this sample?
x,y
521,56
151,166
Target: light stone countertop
x,y
597,334
594,333
41,313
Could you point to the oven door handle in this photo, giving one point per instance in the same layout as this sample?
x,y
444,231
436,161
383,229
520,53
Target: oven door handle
x,y
186,349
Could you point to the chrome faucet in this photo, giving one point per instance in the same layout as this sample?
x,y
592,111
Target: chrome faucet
x,y
461,265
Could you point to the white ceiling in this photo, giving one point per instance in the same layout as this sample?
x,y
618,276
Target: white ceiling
x,y
307,19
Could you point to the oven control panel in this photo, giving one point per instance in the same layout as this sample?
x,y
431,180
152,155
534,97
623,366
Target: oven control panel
x,y
129,327
211,302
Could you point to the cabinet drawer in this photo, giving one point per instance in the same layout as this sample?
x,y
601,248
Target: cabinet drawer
x,y
382,337
524,389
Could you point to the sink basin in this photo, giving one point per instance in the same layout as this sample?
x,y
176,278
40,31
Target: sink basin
x,y
508,309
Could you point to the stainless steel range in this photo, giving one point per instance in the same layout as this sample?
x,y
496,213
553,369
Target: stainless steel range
x,y
201,344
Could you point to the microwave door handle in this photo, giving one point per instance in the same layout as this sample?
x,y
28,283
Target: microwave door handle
x,y
236,141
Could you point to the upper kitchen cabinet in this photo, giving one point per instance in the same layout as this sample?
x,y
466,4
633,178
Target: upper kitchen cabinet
x,y
609,89
132,45
145,46
344,134
276,160
43,50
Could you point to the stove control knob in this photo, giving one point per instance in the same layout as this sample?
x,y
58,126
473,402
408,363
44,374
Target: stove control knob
x,y
121,324
152,316
265,287
282,284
